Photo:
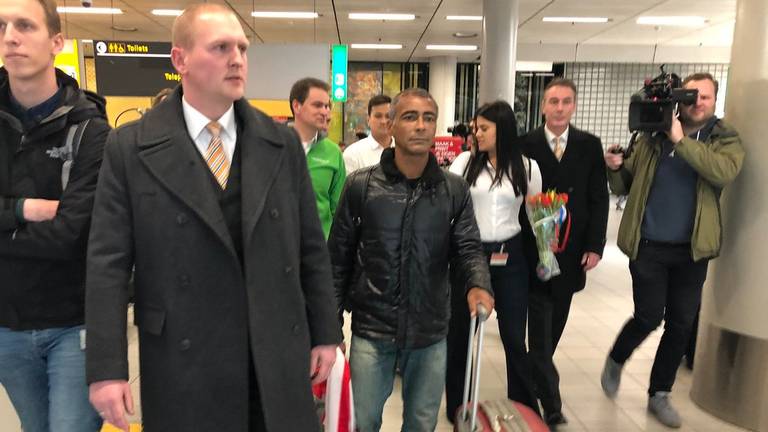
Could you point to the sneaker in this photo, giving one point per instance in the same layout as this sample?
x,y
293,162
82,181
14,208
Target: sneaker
x,y
662,409
611,377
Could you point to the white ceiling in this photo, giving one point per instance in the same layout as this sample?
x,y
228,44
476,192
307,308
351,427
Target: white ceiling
x,y
620,30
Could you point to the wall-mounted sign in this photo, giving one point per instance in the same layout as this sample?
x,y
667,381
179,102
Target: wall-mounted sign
x,y
339,73
126,68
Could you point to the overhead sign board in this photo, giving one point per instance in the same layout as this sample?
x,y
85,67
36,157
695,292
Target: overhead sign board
x,y
129,68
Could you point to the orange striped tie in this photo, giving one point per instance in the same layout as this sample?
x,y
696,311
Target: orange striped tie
x,y
215,156
558,150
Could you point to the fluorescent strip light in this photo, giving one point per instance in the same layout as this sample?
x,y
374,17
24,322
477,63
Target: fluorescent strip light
x,y
452,47
167,12
377,46
575,19
683,21
464,18
293,15
533,66
89,10
382,16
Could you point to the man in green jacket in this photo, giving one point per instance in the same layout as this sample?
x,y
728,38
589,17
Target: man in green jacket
x,y
311,107
670,229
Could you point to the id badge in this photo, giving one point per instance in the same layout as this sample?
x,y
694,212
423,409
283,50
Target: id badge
x,y
499,259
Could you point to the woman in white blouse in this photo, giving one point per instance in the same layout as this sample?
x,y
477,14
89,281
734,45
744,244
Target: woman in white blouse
x,y
499,178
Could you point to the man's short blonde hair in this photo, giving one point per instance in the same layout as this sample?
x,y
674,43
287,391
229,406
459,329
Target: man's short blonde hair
x,y
184,25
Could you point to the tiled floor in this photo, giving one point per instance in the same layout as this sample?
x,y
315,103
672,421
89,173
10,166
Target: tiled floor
x,y
596,316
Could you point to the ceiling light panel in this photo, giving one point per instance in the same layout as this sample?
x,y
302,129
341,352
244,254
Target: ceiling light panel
x,y
289,15
591,20
464,18
452,47
89,10
377,46
382,16
167,12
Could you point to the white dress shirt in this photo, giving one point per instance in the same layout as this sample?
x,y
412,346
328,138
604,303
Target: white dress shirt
x,y
196,123
551,138
497,208
363,153
309,144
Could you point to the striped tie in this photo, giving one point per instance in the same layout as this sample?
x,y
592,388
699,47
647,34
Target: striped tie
x,y
558,150
215,156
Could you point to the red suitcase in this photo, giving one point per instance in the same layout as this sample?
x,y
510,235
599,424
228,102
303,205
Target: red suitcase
x,y
500,415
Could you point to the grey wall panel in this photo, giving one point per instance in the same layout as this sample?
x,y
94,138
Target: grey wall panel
x,y
273,68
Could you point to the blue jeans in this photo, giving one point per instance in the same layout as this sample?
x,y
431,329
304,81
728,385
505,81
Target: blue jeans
x,y
43,372
372,364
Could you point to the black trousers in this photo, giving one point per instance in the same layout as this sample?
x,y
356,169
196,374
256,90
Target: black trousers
x,y
548,310
666,284
510,286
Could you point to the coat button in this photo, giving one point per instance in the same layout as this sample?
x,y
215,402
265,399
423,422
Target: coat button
x,y
184,280
181,219
274,213
295,329
185,344
288,269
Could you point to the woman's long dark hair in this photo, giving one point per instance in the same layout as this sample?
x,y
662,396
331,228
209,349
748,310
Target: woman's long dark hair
x,y
509,158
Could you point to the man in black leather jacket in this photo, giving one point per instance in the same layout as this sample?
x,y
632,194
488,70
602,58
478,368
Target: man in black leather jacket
x,y
397,227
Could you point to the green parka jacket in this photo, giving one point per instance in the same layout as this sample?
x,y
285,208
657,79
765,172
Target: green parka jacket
x,y
717,160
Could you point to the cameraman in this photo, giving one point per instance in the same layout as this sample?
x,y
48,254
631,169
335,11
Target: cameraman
x,y
670,229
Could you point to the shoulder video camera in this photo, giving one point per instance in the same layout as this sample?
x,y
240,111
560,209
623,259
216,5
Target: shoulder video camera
x,y
652,107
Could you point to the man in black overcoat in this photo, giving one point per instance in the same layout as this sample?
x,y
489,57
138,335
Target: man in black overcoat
x,y
571,161
212,203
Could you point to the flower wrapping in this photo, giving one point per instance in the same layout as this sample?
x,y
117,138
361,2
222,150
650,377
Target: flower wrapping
x,y
547,213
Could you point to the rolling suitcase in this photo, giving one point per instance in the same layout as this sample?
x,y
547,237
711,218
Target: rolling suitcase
x,y
500,415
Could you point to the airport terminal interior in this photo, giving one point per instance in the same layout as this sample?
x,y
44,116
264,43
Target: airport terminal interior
x,y
466,53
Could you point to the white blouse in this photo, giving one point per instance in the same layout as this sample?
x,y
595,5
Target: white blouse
x,y
497,208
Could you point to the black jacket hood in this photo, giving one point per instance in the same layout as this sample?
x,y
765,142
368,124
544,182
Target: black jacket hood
x,y
79,105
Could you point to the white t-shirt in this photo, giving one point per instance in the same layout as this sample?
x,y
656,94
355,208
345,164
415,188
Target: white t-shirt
x,y
497,208
363,153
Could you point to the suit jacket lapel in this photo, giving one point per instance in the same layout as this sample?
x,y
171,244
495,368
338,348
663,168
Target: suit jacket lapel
x,y
171,157
262,151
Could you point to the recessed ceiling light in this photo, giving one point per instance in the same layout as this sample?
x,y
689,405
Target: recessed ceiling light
x,y
167,12
464,17
293,15
463,35
452,47
683,21
89,10
576,19
124,28
377,46
382,16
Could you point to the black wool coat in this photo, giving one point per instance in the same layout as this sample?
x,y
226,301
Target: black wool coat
x,y
581,174
198,310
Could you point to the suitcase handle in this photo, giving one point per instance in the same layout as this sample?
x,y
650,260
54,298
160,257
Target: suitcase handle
x,y
477,322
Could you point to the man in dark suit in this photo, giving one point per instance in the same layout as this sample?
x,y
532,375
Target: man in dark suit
x,y
570,161
212,202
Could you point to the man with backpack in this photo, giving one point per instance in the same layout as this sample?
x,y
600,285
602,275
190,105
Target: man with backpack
x,y
52,136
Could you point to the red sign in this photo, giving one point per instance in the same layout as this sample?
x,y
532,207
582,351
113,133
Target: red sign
x,y
446,148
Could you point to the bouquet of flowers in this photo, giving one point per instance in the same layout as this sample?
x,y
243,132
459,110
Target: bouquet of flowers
x,y
547,213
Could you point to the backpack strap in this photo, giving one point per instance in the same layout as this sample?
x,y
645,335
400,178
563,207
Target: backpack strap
x,y
357,212
71,146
